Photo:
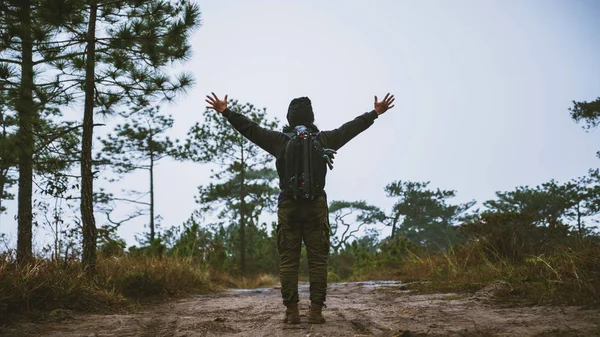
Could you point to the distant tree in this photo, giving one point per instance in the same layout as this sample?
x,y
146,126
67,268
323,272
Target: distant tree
x,y
586,112
547,203
245,181
578,193
423,215
191,241
139,144
348,218
583,197
576,201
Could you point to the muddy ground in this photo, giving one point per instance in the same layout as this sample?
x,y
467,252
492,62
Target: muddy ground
x,y
354,309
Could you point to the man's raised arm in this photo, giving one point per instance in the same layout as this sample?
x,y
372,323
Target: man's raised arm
x,y
268,140
337,138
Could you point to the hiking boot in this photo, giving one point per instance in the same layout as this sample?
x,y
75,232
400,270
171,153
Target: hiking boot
x,y
314,314
292,316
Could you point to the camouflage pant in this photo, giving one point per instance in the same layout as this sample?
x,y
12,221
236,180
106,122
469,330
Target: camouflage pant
x,y
306,221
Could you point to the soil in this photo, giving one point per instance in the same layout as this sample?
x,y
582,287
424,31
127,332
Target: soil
x,y
353,309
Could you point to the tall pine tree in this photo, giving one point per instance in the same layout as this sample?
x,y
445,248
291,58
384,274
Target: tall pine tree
x,y
28,42
128,46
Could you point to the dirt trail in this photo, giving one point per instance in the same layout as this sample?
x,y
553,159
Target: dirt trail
x,y
354,309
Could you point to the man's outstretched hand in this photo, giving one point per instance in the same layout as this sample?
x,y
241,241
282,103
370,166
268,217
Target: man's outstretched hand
x,y
215,103
385,105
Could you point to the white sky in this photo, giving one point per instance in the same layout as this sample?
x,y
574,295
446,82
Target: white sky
x,y
482,91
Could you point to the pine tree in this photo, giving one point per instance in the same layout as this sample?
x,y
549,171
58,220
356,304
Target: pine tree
x,y
139,144
423,215
348,218
245,181
121,59
27,44
8,151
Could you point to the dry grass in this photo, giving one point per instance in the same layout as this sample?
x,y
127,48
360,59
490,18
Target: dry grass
x,y
119,283
565,275
152,278
229,281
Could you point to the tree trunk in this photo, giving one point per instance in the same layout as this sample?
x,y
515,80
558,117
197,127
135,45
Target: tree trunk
x,y
242,217
152,232
87,178
3,182
579,221
25,139
56,256
4,166
394,225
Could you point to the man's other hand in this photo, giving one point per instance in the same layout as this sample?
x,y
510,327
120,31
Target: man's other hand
x,y
216,103
385,105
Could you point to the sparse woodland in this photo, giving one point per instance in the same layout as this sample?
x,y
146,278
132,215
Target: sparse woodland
x,y
109,58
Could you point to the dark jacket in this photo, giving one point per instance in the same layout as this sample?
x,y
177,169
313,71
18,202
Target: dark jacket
x,y
274,142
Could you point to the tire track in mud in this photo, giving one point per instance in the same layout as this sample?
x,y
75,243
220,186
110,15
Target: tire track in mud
x,y
354,309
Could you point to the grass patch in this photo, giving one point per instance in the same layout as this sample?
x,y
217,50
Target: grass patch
x,y
563,275
240,282
53,290
142,278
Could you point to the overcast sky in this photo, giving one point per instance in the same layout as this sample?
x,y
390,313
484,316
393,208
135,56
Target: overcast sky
x,y
482,91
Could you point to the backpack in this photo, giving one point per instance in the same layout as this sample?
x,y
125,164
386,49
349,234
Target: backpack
x,y
306,164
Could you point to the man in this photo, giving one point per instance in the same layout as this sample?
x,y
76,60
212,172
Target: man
x,y
301,219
